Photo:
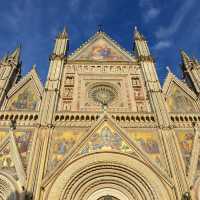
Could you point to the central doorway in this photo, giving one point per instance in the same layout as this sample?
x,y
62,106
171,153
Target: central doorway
x,y
108,197
108,194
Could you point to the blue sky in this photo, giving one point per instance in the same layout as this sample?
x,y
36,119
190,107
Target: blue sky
x,y
168,25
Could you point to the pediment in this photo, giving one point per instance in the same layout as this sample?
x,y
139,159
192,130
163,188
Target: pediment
x,y
179,97
26,94
101,48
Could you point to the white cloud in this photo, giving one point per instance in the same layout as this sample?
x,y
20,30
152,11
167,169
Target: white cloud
x,y
162,45
151,14
177,20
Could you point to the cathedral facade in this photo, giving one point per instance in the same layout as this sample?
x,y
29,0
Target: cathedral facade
x,y
101,128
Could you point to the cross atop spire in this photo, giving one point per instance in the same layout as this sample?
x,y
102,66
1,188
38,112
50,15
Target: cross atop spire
x,y
100,27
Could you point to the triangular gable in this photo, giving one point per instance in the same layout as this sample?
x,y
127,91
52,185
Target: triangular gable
x,y
101,48
113,139
179,97
105,138
26,94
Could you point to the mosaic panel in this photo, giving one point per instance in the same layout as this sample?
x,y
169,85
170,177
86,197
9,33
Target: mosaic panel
x,y
179,101
149,143
25,99
2,136
6,162
24,140
62,142
186,139
105,139
101,50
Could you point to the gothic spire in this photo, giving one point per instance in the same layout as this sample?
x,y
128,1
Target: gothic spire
x,y
15,55
63,34
137,34
185,58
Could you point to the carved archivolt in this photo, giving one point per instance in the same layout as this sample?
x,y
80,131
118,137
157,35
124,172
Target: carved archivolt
x,y
121,176
8,189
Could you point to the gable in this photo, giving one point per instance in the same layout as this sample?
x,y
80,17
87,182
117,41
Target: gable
x,y
25,98
101,48
179,101
26,95
105,138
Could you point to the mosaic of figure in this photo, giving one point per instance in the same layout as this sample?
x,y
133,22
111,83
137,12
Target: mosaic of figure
x,y
62,142
2,136
25,100
101,50
179,102
105,139
24,140
5,158
6,162
186,144
149,143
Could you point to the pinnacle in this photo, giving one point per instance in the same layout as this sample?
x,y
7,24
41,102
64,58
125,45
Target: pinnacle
x,y
64,33
15,55
137,34
184,56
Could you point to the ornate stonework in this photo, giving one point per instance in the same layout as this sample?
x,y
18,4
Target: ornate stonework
x,y
101,128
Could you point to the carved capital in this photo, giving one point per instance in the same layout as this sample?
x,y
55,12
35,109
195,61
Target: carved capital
x,y
146,59
55,56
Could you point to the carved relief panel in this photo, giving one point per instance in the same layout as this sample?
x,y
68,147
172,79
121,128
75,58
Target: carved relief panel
x,y
67,91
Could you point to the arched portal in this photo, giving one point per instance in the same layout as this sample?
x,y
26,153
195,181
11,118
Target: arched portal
x,y
98,175
8,187
108,194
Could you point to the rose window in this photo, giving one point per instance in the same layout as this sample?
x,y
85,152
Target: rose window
x,y
103,94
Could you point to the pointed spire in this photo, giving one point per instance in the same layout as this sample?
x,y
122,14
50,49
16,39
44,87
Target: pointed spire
x,y
15,55
64,33
137,34
184,56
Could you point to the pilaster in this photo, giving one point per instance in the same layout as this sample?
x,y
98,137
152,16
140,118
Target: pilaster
x,y
48,108
158,106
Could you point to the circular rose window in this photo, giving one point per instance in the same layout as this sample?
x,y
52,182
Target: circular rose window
x,y
103,94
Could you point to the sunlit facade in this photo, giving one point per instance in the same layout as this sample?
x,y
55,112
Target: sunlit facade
x,y
101,128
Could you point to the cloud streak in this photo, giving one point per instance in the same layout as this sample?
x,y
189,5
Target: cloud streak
x,y
162,45
180,14
150,12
